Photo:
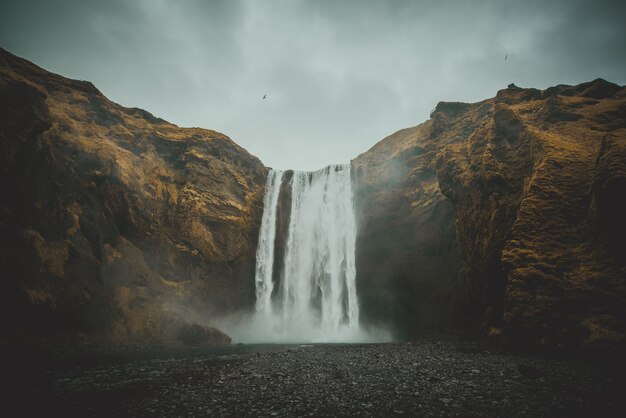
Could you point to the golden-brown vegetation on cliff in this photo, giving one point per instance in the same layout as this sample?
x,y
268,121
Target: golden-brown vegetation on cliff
x,y
537,184
115,221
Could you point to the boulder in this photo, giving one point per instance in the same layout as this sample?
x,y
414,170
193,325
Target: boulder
x,y
202,336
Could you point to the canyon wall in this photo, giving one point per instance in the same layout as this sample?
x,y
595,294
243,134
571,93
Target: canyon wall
x,y
114,222
408,259
505,215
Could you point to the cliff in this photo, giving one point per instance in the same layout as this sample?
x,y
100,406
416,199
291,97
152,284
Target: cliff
x,y
114,222
506,215
503,217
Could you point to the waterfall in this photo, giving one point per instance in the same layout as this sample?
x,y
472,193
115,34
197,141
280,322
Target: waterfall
x,y
314,298
265,248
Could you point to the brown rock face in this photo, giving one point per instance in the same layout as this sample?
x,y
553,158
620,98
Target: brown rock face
x,y
506,216
112,220
504,213
407,255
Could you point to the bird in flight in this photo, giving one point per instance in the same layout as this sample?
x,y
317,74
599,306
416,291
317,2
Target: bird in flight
x,y
264,96
506,57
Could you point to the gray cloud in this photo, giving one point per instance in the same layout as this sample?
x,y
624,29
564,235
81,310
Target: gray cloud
x,y
339,75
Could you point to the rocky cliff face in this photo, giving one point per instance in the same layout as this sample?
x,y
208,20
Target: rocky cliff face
x,y
113,221
506,214
408,260
503,216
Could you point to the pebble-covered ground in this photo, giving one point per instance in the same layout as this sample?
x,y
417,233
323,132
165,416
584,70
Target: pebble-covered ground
x,y
431,378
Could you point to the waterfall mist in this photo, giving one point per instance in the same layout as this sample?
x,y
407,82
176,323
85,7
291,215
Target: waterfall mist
x,y
309,293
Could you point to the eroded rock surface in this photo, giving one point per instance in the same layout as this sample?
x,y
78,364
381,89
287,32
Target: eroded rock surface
x,y
113,221
531,185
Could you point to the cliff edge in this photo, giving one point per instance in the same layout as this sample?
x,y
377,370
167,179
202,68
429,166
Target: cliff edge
x,y
114,222
506,215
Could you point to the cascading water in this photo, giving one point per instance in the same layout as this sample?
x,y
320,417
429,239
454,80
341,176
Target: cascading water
x,y
265,247
314,298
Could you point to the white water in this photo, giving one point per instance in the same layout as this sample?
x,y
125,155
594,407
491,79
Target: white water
x,y
265,247
315,297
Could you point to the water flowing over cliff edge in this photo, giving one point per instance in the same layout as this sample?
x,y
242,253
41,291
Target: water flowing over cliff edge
x,y
311,295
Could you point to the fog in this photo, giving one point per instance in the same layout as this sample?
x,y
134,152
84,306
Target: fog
x,y
250,328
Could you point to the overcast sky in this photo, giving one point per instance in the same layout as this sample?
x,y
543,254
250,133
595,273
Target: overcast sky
x,y
339,75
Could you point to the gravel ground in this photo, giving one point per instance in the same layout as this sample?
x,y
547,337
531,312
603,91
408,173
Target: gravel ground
x,y
429,378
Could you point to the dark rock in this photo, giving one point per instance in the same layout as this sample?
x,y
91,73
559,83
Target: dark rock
x,y
598,89
450,108
202,336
